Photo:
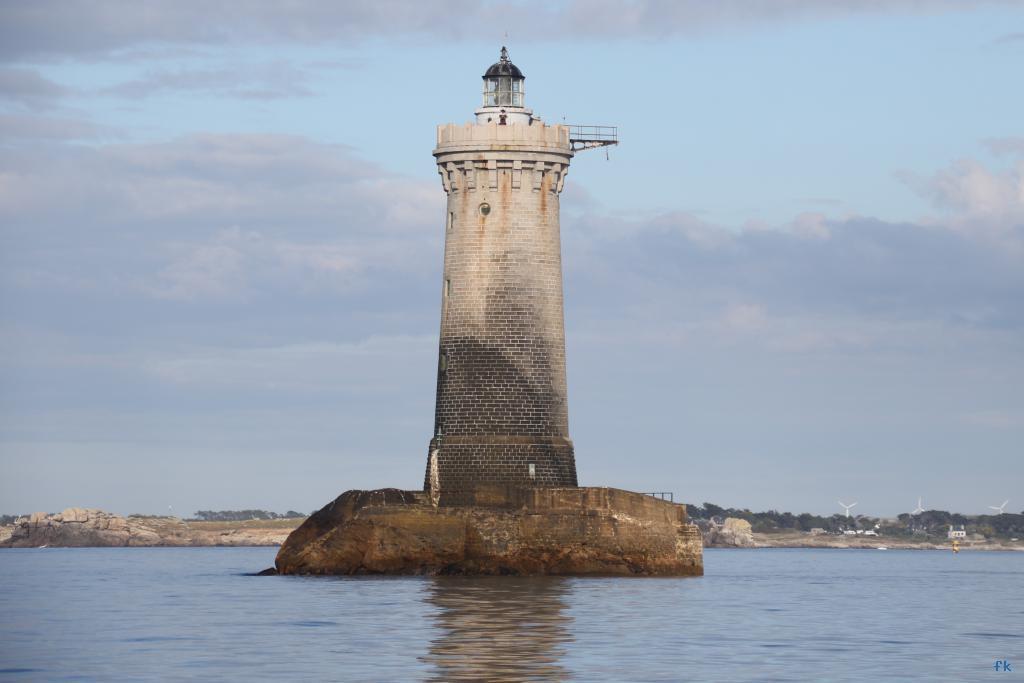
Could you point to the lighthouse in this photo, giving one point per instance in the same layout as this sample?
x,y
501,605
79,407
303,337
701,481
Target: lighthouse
x,y
500,492
502,412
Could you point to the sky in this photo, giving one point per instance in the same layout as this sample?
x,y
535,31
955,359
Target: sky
x,y
799,278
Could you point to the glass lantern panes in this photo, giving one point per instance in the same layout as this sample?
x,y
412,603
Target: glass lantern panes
x,y
490,88
503,91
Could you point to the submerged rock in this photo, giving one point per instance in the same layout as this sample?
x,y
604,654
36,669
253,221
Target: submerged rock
x,y
568,531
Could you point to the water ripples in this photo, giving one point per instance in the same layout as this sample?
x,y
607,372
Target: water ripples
x,y
163,613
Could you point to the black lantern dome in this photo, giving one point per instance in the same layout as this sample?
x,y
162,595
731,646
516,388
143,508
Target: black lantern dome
x,y
504,67
503,84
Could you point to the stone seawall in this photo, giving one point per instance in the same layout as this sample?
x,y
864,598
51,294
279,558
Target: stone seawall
x,y
504,530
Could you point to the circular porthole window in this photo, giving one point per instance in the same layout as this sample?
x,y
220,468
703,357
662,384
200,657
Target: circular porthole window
x,y
485,209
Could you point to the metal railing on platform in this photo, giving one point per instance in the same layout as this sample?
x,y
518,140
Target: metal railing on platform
x,y
663,495
586,137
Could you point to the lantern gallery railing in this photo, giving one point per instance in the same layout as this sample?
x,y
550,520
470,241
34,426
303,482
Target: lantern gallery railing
x,y
588,137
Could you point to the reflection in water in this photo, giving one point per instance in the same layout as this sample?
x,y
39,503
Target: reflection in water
x,y
499,628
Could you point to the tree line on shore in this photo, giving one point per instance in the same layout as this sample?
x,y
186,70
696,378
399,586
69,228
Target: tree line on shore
x,y
928,523
241,515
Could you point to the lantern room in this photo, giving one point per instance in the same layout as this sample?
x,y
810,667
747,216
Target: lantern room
x,y
503,84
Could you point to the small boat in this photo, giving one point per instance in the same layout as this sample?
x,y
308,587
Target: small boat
x,y
881,547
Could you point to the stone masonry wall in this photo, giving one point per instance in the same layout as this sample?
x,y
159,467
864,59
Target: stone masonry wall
x,y
501,387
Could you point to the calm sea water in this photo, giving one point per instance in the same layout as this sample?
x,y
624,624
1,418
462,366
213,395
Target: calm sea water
x,y
786,615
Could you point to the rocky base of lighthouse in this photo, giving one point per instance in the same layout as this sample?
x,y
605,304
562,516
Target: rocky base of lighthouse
x,y
505,531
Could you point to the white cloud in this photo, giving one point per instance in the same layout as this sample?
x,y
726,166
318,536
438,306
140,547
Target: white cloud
x,y
972,197
233,265
812,225
973,191
47,28
260,82
210,216
205,271
815,284
374,365
745,318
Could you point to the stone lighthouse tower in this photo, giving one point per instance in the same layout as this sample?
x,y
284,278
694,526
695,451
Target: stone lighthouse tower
x,y
500,494
502,413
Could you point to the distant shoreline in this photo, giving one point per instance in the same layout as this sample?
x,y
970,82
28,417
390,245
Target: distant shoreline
x,y
91,528
803,540
100,529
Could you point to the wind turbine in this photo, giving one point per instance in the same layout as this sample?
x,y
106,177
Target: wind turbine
x,y
918,510
999,508
847,507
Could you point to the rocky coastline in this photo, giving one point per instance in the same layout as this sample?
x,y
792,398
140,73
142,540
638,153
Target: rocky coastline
x,y
731,533
91,528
